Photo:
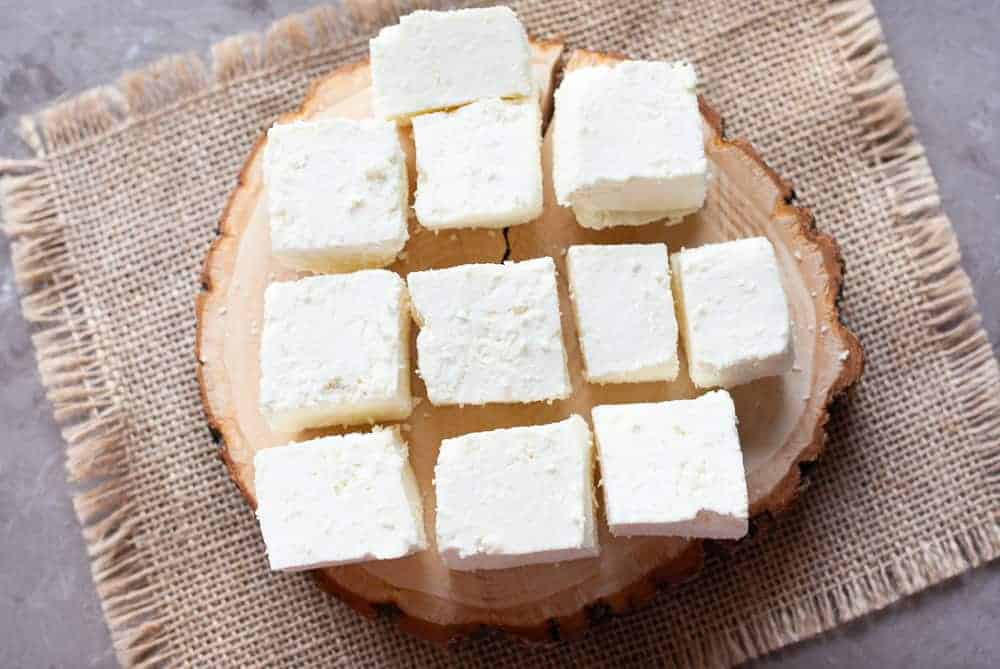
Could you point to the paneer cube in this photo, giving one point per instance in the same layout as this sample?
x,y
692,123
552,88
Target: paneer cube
x,y
672,468
734,315
437,60
628,138
624,312
479,166
490,333
338,500
335,351
518,496
336,194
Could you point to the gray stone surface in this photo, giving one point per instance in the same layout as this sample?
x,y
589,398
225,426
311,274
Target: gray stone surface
x,y
949,59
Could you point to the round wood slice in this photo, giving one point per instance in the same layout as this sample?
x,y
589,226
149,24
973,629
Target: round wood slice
x,y
781,418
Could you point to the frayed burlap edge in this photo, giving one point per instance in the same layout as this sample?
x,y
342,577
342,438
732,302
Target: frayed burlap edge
x,y
949,302
954,322
78,383
866,593
82,389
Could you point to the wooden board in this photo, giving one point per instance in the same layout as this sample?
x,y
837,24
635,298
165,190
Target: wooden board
x,y
781,419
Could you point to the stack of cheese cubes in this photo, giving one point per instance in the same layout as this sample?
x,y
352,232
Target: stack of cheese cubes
x,y
337,190
628,145
628,150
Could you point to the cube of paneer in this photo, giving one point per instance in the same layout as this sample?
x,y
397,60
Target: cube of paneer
x,y
479,166
733,311
336,194
337,500
624,312
518,496
335,351
490,333
672,468
437,60
628,138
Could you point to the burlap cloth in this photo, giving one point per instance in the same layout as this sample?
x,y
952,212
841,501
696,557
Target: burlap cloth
x,y
111,220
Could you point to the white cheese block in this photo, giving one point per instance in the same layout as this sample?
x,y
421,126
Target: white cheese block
x,y
523,495
437,60
336,194
733,312
490,333
672,468
629,137
335,350
479,166
624,312
338,500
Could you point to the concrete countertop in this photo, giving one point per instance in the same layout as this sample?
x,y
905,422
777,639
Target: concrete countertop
x,y
948,56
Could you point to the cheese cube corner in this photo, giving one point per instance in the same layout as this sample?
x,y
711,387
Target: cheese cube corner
x,y
628,138
479,166
672,468
335,351
734,315
437,60
516,496
490,333
336,194
338,500
624,312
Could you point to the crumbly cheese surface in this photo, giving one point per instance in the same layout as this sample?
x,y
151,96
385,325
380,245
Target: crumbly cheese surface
x,y
437,60
479,166
629,138
524,495
490,333
338,500
624,312
336,194
672,468
335,350
734,315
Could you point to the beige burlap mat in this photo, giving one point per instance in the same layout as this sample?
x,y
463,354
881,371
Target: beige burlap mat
x,y
112,218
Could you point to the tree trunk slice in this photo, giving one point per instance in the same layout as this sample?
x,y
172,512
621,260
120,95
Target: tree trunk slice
x,y
781,419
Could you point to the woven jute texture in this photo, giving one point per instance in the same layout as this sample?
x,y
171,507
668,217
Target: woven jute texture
x,y
111,220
